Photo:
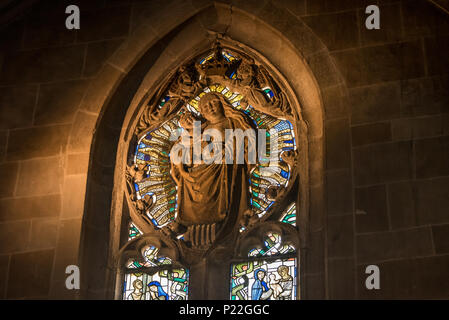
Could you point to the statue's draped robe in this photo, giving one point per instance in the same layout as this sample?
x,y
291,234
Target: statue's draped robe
x,y
208,193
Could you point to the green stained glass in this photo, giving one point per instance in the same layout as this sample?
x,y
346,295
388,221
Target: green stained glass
x,y
264,280
133,232
289,215
151,257
153,151
162,285
272,246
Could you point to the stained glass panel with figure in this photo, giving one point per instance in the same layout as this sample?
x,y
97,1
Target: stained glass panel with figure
x,y
264,280
162,285
154,278
273,277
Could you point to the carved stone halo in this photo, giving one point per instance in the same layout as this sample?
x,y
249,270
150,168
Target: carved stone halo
x,y
200,206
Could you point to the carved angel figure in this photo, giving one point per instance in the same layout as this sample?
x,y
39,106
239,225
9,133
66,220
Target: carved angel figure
x,y
180,90
251,81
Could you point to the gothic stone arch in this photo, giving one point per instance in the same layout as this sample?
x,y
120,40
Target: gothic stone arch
x,y
138,67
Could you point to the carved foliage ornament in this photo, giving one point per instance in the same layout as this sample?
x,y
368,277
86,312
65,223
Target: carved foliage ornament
x,y
199,204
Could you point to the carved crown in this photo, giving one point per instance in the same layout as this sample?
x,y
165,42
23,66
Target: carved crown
x,y
215,64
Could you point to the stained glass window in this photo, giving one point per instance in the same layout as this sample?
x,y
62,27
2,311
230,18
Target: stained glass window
x,y
289,215
151,259
153,154
161,285
133,231
266,279
272,246
154,279
270,271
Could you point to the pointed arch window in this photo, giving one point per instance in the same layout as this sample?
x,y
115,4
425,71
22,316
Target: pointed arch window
x,y
201,211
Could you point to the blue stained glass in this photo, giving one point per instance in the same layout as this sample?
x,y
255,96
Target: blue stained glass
x,y
162,285
284,174
264,280
269,93
163,101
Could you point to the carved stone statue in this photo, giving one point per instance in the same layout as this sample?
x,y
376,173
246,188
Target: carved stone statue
x,y
209,193
195,203
182,88
185,85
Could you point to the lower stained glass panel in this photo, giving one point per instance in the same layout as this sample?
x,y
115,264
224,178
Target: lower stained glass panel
x,y
163,285
264,280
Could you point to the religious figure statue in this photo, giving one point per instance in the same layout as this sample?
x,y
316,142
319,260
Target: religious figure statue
x,y
250,82
212,193
180,90
195,203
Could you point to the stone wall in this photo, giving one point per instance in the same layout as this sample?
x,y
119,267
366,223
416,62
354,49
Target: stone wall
x,y
385,97
385,208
